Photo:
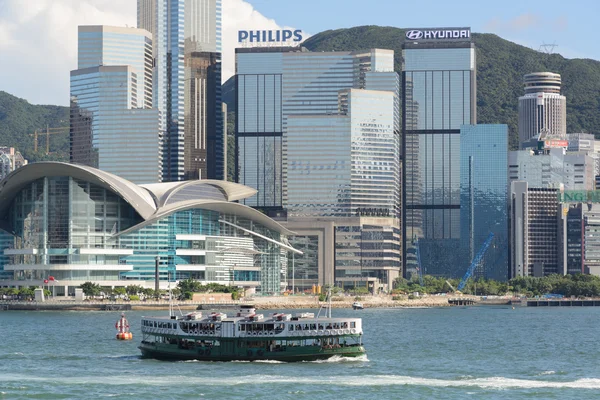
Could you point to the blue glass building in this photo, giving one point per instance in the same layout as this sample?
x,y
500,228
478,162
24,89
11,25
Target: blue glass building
x,y
484,198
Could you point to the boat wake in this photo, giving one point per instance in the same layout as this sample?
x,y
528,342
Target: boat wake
x,y
490,383
340,359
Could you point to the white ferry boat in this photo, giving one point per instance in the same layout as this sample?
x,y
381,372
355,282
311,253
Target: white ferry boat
x,y
251,336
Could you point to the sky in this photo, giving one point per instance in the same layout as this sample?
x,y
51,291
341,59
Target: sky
x,y
38,38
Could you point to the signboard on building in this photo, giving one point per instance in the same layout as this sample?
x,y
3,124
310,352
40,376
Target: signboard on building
x,y
438,34
268,37
579,196
553,144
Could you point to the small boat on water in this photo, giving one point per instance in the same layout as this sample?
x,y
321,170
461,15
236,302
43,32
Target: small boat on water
x,y
357,305
251,336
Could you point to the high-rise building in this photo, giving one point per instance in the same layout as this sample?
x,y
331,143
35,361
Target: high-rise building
x,y
345,104
439,86
353,177
274,83
107,131
112,124
187,84
542,109
534,230
484,197
101,45
545,168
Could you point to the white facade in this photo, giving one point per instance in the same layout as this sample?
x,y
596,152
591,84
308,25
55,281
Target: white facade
x,y
575,171
542,109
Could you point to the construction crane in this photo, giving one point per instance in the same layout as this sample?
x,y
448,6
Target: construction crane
x,y
48,131
475,262
419,268
451,287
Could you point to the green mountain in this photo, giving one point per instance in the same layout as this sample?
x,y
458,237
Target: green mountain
x,y
500,68
20,119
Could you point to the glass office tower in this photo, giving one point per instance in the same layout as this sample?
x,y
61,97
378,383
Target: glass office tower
x,y
107,131
112,124
484,198
187,76
356,167
114,45
278,82
439,86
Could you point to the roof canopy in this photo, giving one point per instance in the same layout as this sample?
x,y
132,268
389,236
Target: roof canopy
x,y
151,201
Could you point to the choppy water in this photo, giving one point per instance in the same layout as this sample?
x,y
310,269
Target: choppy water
x,y
450,353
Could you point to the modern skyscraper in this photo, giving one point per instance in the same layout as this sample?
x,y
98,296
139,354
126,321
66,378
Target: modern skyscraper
x,y
107,131
484,198
112,124
352,178
318,136
439,86
101,45
277,82
542,109
356,167
187,84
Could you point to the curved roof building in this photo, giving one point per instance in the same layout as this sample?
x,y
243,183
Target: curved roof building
x,y
78,224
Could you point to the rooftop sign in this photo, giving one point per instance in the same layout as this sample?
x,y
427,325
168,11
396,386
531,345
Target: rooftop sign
x,y
281,36
438,34
579,196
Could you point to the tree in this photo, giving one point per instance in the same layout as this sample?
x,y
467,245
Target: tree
x,y
90,289
134,289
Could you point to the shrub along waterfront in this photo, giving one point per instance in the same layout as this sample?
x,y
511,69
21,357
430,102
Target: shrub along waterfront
x,y
578,285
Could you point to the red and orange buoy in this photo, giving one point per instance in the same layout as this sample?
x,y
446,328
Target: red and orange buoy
x,y
122,327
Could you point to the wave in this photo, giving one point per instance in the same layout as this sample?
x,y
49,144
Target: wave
x,y
340,359
490,383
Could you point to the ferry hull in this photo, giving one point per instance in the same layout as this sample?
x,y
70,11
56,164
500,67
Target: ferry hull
x,y
169,352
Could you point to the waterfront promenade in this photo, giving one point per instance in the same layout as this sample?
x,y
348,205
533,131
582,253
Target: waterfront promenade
x,y
264,303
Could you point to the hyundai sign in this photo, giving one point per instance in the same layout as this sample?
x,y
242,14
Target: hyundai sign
x,y
270,36
439,34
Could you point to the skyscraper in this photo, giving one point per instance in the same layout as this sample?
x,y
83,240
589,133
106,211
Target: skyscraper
x,y
187,84
112,124
439,86
484,198
277,82
107,131
317,135
542,109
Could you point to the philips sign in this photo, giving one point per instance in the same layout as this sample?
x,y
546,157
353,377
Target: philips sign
x,y
269,36
454,34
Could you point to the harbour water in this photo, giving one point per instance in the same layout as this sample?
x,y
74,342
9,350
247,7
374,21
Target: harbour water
x,y
441,353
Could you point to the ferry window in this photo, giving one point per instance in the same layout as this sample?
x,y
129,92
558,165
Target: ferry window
x,y
313,326
291,327
352,324
320,327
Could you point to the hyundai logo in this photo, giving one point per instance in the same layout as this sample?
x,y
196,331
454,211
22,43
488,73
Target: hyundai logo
x,y
414,35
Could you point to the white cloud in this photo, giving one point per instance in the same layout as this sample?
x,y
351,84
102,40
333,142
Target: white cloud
x,y
38,40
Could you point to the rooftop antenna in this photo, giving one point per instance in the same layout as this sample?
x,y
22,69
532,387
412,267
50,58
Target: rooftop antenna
x,y
547,48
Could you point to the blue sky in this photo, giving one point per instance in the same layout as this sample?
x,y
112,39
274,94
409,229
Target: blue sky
x,y
569,24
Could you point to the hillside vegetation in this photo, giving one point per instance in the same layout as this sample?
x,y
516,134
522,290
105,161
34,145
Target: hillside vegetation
x,y
19,120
